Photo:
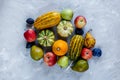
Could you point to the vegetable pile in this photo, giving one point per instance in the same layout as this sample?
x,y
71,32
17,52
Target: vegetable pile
x,y
41,35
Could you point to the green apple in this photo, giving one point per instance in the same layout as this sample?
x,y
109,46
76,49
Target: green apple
x,y
67,14
63,61
36,53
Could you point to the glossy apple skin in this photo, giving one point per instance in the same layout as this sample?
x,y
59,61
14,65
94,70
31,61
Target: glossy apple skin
x,y
50,59
30,35
80,22
86,54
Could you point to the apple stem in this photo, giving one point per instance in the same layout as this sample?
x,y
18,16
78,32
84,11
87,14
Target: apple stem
x,y
69,66
87,53
48,57
45,37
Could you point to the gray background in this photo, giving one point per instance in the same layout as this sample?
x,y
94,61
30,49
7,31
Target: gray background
x,y
103,16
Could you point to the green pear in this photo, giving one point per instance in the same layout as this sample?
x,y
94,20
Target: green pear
x,y
80,66
63,61
67,14
36,53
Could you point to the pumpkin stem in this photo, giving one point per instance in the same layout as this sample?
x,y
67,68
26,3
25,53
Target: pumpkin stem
x,y
58,49
65,28
45,37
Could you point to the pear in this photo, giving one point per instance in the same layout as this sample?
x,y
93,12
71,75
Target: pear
x,y
63,61
80,66
36,53
67,14
89,40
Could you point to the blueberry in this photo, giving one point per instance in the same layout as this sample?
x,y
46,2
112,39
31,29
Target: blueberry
x,y
30,21
29,44
79,31
97,52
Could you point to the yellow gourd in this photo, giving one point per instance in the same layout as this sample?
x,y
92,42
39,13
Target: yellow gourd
x,y
47,20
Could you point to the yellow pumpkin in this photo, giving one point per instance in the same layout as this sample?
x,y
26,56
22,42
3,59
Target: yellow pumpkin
x,y
60,47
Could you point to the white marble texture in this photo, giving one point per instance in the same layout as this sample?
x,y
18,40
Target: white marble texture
x,y
103,16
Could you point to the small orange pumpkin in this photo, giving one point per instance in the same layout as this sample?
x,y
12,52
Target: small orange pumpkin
x,y
60,47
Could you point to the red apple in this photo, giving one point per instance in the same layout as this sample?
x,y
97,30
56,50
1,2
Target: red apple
x,y
86,53
80,22
50,59
30,35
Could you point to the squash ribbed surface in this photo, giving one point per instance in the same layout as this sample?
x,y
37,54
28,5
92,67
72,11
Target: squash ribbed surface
x,y
75,48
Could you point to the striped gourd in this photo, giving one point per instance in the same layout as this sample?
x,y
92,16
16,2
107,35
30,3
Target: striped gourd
x,y
47,20
76,45
46,38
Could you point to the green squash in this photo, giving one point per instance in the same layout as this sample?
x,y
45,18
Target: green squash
x,y
46,38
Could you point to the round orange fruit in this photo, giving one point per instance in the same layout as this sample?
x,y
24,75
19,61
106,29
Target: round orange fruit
x,y
60,47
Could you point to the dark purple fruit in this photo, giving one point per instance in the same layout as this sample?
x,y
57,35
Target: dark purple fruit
x,y
97,52
79,31
29,44
30,21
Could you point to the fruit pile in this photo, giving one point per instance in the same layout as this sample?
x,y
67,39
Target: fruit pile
x,y
42,35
